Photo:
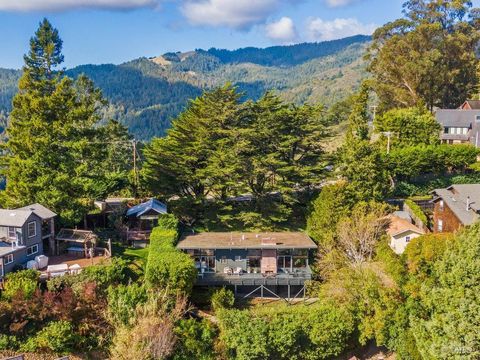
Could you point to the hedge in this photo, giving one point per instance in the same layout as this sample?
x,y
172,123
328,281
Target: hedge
x,y
410,162
319,331
417,211
166,266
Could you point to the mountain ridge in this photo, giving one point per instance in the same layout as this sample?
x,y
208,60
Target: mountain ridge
x,y
146,93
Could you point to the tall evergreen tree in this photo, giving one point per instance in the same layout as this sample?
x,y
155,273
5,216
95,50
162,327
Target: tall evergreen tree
x,y
221,148
360,160
55,150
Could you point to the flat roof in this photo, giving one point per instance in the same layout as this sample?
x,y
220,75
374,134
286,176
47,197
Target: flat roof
x,y
6,248
238,240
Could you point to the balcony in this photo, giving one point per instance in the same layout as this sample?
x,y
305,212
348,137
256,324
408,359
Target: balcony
x,y
297,277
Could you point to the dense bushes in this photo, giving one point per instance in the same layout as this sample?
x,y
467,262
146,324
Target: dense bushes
x,y
58,337
425,186
410,162
24,282
222,299
166,266
417,211
319,331
123,301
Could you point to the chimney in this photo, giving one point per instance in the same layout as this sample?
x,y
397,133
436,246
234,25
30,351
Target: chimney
x,y
468,203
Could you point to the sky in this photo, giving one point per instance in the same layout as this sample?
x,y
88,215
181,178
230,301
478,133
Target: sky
x,y
115,31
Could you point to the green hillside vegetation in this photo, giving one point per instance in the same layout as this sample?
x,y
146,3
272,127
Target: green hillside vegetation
x,y
145,94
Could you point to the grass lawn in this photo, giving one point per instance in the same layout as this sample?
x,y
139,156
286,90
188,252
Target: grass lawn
x,y
137,257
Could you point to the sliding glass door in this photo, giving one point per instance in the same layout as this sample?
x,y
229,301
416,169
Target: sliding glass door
x,y
284,263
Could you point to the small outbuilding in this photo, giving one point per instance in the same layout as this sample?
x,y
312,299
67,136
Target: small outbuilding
x,y
141,219
401,232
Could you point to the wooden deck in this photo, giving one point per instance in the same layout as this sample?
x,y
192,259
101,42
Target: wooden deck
x,y
73,259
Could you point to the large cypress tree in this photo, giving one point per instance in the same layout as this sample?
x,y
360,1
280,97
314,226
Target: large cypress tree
x,y
55,151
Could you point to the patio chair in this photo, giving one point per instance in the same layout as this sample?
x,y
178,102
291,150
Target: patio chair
x,y
228,270
238,271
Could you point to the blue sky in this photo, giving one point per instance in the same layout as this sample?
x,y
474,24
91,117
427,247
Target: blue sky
x,y
114,31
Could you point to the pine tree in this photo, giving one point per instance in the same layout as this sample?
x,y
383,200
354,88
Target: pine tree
x,y
55,149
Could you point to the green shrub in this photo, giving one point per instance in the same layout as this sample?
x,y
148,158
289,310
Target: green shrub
x,y
24,281
8,342
103,275
424,187
410,162
168,222
123,301
166,266
58,337
417,211
171,269
222,299
195,340
163,240
318,331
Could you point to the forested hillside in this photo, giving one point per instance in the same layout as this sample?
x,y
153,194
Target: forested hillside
x,y
145,94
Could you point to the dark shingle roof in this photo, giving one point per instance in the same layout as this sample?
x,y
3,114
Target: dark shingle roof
x,y
456,196
456,118
40,211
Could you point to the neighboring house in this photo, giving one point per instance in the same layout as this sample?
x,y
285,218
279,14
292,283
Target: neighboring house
x,y
401,232
456,206
141,219
24,234
470,105
252,262
460,126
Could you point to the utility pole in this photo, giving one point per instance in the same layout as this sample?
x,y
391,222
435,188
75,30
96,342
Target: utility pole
x,y
135,177
388,134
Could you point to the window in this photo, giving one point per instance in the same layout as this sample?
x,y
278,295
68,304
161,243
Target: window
x,y
12,233
8,259
32,229
445,130
477,117
32,250
465,131
441,205
223,260
407,239
440,225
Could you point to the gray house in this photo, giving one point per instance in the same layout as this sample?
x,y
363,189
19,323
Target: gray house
x,y
252,263
24,234
459,126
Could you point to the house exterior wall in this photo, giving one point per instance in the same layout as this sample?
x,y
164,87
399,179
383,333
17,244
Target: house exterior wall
x,y
399,242
450,222
20,256
226,258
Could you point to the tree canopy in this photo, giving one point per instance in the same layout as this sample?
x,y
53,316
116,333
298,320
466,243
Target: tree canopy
x,y
428,57
220,148
55,153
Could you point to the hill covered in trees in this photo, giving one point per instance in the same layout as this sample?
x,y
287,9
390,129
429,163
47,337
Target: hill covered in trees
x,y
146,93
